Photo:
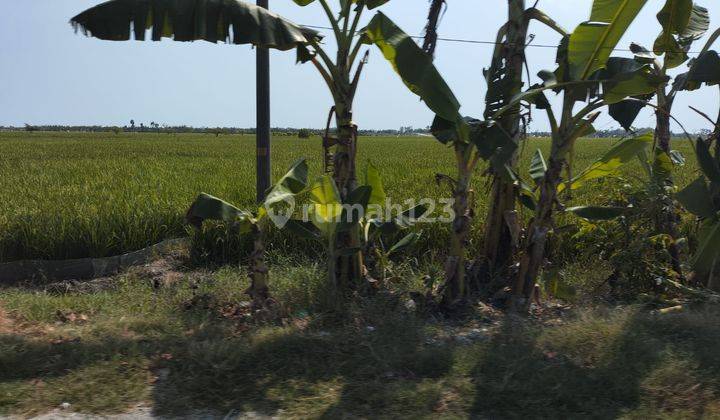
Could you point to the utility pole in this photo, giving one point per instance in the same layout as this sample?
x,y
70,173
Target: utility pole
x,y
262,140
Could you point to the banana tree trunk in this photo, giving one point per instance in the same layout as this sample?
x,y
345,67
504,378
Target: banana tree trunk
x,y
667,220
713,281
456,287
498,246
258,270
542,223
349,266
537,235
344,159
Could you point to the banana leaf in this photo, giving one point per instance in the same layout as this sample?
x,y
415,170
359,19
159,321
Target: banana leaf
x,y
683,22
231,21
416,70
611,161
326,210
538,167
374,181
592,41
207,207
598,212
709,248
708,164
370,4
627,77
696,199
704,69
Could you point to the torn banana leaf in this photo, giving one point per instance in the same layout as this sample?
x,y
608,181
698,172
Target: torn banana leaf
x,y
231,21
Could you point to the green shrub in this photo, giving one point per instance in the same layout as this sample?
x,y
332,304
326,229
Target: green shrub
x,y
304,133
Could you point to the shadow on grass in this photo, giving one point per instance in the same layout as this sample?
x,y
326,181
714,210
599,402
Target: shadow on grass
x,y
598,366
601,368
367,361
325,370
24,358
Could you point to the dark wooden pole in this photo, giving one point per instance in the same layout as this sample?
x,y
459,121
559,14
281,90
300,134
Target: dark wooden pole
x,y
262,140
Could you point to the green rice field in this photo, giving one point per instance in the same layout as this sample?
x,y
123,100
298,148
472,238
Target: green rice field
x,y
73,195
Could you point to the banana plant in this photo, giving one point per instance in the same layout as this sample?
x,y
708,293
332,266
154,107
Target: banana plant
x,y
627,213
471,140
379,237
325,221
329,216
683,22
702,197
383,233
504,79
207,207
621,154
417,71
343,83
584,66
636,239
239,22
654,267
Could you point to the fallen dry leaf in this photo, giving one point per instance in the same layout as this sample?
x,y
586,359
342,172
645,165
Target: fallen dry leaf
x,y
71,317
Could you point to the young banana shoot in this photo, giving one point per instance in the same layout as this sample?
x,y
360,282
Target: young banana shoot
x,y
207,207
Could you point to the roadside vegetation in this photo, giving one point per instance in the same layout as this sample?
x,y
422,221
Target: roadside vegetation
x,y
192,346
576,277
173,335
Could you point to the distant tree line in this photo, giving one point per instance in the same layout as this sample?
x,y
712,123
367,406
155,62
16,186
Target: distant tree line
x,y
603,134
154,127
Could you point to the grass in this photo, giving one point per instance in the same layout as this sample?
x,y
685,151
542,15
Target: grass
x,y
74,195
136,344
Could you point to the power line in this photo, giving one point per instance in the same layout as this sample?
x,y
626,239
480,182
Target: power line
x,y
479,42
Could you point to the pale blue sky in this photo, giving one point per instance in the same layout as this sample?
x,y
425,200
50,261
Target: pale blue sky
x,y
49,75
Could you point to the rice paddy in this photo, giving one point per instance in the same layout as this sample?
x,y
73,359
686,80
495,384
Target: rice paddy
x,y
74,195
